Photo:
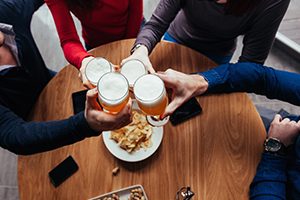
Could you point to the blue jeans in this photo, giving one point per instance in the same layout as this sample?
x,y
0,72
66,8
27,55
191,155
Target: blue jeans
x,y
216,58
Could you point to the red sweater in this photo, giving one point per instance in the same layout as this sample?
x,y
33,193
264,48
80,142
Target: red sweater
x,y
108,21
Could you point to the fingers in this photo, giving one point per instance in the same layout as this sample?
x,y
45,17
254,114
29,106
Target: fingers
x,y
285,120
91,99
151,70
172,107
277,118
116,68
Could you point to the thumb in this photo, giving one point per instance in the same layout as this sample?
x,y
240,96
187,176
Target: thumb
x,y
277,118
169,81
91,99
151,69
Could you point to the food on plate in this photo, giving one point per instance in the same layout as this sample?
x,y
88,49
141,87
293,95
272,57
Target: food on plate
x,y
134,136
136,194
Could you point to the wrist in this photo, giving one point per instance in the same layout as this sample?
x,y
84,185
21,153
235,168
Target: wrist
x,y
140,49
201,84
85,61
273,145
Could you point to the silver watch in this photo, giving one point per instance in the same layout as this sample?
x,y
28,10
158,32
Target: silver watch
x,y
134,48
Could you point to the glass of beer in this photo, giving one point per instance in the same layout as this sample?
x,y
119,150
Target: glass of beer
x,y
132,70
150,93
113,92
96,68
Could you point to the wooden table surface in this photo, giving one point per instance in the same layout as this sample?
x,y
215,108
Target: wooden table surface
x,y
216,153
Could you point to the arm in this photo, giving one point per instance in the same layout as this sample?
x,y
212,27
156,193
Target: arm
x,y
22,137
260,36
239,77
135,16
270,179
160,21
251,77
69,39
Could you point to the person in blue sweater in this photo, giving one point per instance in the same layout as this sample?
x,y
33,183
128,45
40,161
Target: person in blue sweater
x,y
278,174
23,75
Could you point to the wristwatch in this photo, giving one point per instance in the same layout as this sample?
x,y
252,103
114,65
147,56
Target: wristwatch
x,y
274,146
134,48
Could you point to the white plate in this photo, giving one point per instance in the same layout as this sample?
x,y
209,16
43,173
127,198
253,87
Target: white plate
x,y
122,193
135,156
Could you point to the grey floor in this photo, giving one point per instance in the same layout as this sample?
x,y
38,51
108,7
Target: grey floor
x,y
47,41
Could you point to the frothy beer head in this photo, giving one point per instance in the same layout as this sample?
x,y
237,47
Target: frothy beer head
x,y
132,70
149,89
113,89
96,68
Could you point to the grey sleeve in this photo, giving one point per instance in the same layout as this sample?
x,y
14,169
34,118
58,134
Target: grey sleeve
x,y
260,36
158,24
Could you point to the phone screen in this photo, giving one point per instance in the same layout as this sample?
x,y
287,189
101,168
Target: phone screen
x,y
63,171
186,111
79,101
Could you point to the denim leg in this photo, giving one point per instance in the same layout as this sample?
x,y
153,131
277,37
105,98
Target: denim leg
x,y
216,58
293,172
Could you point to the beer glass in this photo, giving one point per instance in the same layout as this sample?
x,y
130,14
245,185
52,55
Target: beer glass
x,y
150,93
96,68
132,70
113,92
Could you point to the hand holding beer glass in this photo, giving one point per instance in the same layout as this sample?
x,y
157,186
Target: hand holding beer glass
x,y
113,92
95,69
151,96
132,70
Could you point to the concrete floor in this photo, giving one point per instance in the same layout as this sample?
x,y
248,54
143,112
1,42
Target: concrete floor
x,y
47,41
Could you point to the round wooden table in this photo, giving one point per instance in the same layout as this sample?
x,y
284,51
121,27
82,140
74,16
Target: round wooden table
x,y
216,153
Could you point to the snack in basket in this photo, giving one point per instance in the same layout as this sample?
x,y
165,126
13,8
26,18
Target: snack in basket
x,y
136,194
134,136
113,197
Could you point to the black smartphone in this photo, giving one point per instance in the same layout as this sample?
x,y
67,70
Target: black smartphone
x,y
63,171
78,99
186,111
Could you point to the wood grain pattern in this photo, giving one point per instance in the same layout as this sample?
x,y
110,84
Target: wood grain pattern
x,y
215,153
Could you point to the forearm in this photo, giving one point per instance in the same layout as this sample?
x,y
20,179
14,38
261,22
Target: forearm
x,y
69,39
270,179
23,137
158,24
254,78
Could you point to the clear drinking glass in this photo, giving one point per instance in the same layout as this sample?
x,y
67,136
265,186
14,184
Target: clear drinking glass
x,y
150,93
132,70
113,92
96,68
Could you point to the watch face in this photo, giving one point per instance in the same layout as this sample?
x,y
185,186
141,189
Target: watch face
x,y
272,145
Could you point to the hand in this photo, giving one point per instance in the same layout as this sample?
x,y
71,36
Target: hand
x,y
99,120
284,130
1,38
141,54
183,88
82,76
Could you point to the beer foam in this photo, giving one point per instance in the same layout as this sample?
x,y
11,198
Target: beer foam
x,y
96,68
132,70
113,88
149,88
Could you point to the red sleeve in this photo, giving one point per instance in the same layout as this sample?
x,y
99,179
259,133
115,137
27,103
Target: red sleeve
x,y
69,40
135,18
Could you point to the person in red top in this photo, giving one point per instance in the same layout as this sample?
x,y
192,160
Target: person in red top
x,y
102,21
